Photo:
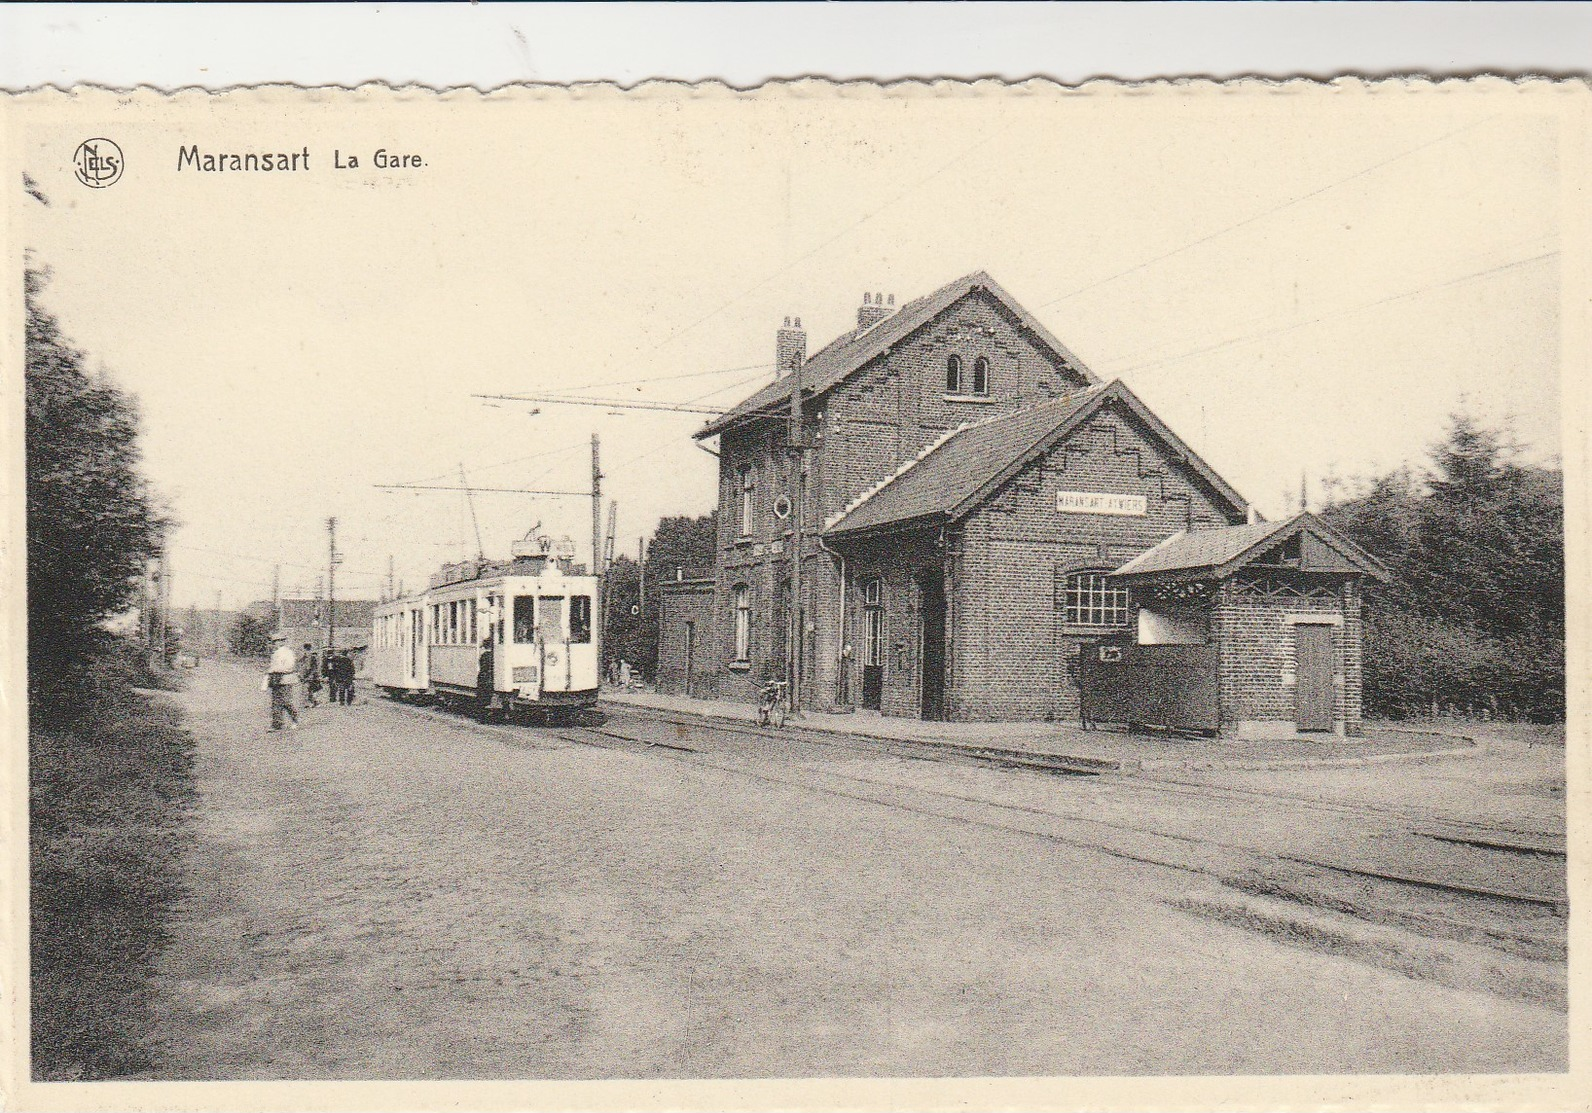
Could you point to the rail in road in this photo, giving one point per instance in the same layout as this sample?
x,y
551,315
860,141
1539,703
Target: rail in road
x,y
1442,880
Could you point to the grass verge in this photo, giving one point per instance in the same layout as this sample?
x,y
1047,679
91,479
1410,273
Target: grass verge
x,y
109,788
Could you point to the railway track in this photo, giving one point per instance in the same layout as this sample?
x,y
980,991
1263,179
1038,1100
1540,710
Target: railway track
x,y
1141,842
1433,825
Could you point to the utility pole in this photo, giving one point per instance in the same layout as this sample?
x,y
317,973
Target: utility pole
x,y
391,594
596,510
162,599
217,624
332,560
641,583
276,595
608,562
797,462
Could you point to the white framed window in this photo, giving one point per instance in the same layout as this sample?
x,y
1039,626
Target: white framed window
x,y
1089,598
873,592
748,487
743,623
873,621
980,376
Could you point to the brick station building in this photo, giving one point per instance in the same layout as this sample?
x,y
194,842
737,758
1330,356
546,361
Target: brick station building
x,y
973,500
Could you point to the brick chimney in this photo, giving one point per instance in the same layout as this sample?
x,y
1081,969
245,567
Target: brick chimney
x,y
790,347
873,310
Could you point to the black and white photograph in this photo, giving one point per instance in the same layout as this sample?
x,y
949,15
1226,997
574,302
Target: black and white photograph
x,y
861,589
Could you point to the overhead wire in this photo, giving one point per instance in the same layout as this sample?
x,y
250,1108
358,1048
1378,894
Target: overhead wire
x,y
1262,215
960,158
1233,342
1154,350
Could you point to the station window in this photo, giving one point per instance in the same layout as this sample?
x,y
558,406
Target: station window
x,y
873,636
1091,599
524,619
980,376
953,375
743,623
580,619
748,499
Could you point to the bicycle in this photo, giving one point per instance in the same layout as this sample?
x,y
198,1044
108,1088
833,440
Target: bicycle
x,y
773,703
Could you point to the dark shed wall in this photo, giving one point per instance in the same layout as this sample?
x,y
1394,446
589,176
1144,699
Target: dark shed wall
x,y
682,603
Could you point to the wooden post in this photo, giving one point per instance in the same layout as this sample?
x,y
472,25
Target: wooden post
x,y
331,584
794,438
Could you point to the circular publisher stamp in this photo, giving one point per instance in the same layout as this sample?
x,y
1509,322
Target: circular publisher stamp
x,y
98,163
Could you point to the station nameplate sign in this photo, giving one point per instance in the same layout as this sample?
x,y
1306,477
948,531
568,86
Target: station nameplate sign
x,y
1089,502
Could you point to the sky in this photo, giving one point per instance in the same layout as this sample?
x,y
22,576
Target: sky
x,y
1297,284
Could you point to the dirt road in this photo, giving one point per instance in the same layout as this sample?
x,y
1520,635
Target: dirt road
x,y
393,894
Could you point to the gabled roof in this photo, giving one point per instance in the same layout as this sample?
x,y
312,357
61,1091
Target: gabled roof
x,y
957,473
834,363
1218,553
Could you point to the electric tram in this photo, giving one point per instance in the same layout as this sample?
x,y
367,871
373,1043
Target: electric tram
x,y
540,618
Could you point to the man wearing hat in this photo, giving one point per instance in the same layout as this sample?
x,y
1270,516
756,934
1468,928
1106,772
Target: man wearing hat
x,y
281,675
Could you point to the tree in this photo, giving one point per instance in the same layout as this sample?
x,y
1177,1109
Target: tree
x,y
92,524
1475,612
250,636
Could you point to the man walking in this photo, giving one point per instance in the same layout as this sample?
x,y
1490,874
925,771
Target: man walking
x,y
280,677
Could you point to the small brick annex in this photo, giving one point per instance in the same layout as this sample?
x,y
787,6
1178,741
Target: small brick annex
x,y
968,492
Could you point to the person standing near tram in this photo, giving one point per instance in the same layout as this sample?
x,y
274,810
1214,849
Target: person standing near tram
x,y
483,677
280,677
310,669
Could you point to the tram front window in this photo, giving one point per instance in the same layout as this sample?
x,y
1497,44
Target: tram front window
x,y
550,617
524,619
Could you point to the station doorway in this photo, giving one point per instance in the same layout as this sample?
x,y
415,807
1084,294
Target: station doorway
x,y
932,595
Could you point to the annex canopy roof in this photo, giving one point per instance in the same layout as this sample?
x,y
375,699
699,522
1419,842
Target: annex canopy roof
x,y
1218,553
953,475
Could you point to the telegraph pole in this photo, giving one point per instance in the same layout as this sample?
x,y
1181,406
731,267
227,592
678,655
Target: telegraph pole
x,y
217,630
332,560
390,592
162,598
641,583
797,462
596,511
276,595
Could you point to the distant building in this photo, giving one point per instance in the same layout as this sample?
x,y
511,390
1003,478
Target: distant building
x,y
305,620
972,502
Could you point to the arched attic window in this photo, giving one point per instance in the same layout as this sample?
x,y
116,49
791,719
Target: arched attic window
x,y
953,375
980,376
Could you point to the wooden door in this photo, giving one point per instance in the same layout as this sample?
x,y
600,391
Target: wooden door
x,y
933,611
1313,694
690,655
873,658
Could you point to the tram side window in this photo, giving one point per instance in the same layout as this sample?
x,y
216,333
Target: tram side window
x,y
580,619
524,619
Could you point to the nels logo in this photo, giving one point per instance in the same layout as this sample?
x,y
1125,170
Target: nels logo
x,y
98,163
